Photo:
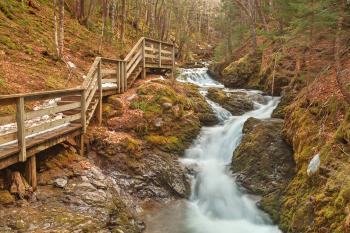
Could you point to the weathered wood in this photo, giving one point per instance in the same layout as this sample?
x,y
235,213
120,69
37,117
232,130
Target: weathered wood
x,y
39,95
100,95
30,172
52,110
147,53
134,66
133,60
134,49
83,111
8,137
119,79
160,54
52,124
21,129
144,59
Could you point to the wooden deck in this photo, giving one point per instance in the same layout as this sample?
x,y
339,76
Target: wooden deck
x,y
71,110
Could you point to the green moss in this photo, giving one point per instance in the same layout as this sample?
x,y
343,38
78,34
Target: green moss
x,y
5,40
131,144
167,143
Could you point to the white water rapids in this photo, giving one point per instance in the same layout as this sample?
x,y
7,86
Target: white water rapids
x,y
217,205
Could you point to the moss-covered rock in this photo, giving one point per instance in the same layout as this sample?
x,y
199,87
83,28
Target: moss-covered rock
x,y
317,203
237,103
264,162
243,73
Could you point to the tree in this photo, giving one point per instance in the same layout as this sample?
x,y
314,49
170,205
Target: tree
x,y
59,27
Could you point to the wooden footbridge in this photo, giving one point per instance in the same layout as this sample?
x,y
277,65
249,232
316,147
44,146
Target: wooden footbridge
x,y
71,110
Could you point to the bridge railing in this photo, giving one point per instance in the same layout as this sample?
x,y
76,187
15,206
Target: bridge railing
x,y
49,113
56,109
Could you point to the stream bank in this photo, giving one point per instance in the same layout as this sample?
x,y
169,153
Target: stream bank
x,y
132,165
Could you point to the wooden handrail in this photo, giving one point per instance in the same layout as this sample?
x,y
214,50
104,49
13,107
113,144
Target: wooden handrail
x,y
80,104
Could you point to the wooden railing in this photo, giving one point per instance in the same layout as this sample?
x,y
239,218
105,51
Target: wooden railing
x,y
73,109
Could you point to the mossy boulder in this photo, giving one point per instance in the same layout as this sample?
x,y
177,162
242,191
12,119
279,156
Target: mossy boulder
x,y
237,103
175,126
243,72
264,162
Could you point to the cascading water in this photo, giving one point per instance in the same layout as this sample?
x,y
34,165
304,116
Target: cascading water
x,y
217,205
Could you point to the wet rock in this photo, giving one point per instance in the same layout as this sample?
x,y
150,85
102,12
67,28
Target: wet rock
x,y
60,182
237,103
264,162
243,72
167,106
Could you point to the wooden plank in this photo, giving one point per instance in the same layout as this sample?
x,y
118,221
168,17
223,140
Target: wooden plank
x,y
91,113
134,66
91,72
129,64
52,110
109,80
127,58
39,95
21,129
119,74
100,95
91,96
83,111
151,56
110,60
166,52
160,54
4,120
157,41
143,59
167,58
5,138
150,49
52,124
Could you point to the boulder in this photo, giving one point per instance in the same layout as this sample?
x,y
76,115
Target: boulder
x,y
237,103
264,162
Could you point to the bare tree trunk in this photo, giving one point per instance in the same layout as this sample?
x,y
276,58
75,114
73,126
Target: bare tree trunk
x,y
56,27
122,31
59,27
104,19
114,8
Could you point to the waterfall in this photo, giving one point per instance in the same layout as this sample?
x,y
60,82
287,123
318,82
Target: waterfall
x,y
217,205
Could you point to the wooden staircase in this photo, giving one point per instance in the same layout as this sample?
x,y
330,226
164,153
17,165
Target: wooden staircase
x,y
74,109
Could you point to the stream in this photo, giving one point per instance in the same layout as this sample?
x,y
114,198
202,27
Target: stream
x,y
217,204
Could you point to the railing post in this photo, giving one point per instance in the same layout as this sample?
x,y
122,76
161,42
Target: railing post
x,y
125,77
21,134
173,60
83,111
83,121
100,95
144,58
118,77
160,54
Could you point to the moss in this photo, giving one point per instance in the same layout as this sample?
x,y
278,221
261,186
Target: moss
x,y
167,143
131,145
5,40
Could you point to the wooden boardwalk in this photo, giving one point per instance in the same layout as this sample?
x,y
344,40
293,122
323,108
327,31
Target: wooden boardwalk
x,y
71,110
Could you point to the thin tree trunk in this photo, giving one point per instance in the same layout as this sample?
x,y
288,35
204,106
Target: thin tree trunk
x,y
59,27
122,31
114,8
